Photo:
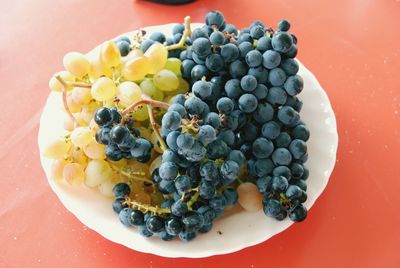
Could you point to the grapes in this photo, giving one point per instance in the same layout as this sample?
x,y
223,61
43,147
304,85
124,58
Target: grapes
x,y
76,64
233,113
248,103
248,83
271,59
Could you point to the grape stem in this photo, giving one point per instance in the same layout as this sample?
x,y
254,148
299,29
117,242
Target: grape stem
x,y
145,208
187,32
64,98
154,125
138,176
79,84
147,101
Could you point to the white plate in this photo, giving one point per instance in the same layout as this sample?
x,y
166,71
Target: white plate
x,y
231,232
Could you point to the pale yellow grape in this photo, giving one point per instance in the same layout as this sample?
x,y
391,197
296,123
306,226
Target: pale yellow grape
x,y
81,95
55,85
72,105
91,107
85,116
135,53
154,140
155,164
141,113
81,136
157,55
182,88
76,63
56,169
106,188
118,164
109,54
149,89
103,89
78,156
166,80
136,69
174,65
80,119
169,98
109,103
57,149
97,172
98,68
128,93
95,150
93,125
249,197
69,125
74,174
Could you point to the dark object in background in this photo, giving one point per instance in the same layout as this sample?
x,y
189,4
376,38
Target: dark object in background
x,y
172,2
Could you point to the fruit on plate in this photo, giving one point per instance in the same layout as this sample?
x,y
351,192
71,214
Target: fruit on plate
x,y
179,128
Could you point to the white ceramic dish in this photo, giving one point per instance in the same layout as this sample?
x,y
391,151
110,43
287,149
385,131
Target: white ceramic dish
x,y
233,231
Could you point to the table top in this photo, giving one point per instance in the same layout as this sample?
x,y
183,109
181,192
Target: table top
x,y
351,46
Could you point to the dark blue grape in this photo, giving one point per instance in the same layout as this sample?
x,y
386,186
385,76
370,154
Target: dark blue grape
x,y
178,28
257,31
292,52
271,130
248,103
276,77
277,96
301,132
281,41
183,183
218,202
260,73
171,140
158,37
136,217
232,88
155,224
264,43
173,226
284,25
294,192
213,120
142,148
248,83
231,196
144,46
202,47
229,53
192,221
123,39
123,47
298,213
238,69
264,184
290,66
279,184
261,92
217,149
244,48
185,141
282,171
231,29
254,58
263,113
206,134
166,236
214,62
282,156
197,59
198,72
244,37
206,190
206,228
198,33
225,105
217,38
298,148
273,208
119,133
121,190
288,116
249,132
186,68
124,216
294,85
179,208
283,140
171,120
194,105
229,171
144,231
215,18
237,156
187,236
263,167
168,171
113,153
297,170
118,204
306,173
301,183
178,108
271,59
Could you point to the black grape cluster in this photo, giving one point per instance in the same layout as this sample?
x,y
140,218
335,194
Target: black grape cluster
x,y
122,139
241,118
254,82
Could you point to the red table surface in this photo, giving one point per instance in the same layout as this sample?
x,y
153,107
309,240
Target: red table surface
x,y
352,46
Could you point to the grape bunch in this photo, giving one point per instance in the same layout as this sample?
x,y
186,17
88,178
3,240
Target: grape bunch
x,y
211,115
121,140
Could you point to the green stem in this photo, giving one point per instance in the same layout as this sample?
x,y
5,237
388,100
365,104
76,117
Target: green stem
x,y
185,35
